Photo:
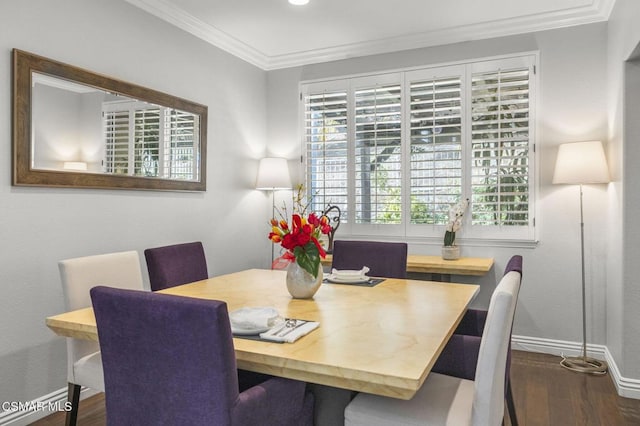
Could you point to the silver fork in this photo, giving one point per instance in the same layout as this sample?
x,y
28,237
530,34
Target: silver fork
x,y
299,324
288,323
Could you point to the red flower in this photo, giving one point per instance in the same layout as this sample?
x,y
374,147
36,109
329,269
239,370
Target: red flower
x,y
300,239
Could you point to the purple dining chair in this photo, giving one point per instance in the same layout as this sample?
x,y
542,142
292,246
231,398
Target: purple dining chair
x,y
382,258
460,356
176,264
169,360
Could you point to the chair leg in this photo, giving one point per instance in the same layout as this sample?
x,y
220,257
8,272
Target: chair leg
x,y
73,396
511,406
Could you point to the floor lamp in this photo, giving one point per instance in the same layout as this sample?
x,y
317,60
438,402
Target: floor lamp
x,y
273,175
581,163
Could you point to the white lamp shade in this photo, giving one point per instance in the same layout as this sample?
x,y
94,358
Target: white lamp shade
x,y
581,163
75,165
273,173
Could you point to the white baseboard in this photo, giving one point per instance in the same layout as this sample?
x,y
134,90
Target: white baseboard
x,y
628,388
29,412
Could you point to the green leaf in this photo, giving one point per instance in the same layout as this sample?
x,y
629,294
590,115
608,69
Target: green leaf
x,y
308,258
449,238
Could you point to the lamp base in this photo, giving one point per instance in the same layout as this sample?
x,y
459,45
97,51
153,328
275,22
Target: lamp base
x,y
584,364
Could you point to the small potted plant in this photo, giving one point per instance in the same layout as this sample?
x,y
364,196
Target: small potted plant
x,y
450,251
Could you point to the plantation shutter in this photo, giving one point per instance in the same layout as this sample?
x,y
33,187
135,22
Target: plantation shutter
x,y
378,172
146,145
179,158
436,148
500,147
396,150
146,140
117,142
325,127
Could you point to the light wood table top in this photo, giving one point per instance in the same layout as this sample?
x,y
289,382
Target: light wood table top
x,y
382,340
437,265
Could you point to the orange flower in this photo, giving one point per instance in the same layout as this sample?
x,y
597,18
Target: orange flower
x,y
300,237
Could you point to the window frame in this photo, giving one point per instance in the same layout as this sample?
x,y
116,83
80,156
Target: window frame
x,y
482,234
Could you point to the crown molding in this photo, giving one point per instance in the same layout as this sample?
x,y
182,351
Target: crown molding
x,y
598,11
189,23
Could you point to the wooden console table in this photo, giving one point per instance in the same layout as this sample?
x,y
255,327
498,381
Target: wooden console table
x,y
441,269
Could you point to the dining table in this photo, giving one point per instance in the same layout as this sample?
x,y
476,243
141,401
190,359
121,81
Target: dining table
x,y
381,339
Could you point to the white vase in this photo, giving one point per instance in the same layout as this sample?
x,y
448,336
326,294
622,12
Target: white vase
x,y
300,283
450,252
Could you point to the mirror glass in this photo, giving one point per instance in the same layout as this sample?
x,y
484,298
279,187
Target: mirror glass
x,y
77,128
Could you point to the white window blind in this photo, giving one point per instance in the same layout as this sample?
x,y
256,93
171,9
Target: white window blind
x,y
378,172
117,133
179,157
147,140
500,147
436,148
396,150
325,123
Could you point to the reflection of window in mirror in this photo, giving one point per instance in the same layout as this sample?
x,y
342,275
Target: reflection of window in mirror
x,y
147,140
111,133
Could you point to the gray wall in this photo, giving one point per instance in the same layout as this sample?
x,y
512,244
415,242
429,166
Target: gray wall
x,y
39,226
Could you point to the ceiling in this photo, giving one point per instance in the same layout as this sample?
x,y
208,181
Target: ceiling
x,y
274,34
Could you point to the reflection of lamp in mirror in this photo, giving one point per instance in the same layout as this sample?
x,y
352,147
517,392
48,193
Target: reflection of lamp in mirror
x,y
582,163
75,166
273,175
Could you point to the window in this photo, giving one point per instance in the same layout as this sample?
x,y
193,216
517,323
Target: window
x,y
435,137
148,140
378,178
394,151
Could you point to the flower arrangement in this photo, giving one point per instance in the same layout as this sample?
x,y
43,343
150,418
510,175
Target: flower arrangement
x,y
300,236
456,212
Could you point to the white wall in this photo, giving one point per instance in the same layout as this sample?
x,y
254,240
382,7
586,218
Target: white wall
x,y
571,108
39,226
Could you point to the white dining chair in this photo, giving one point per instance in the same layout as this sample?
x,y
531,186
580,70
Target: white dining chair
x,y
448,400
78,276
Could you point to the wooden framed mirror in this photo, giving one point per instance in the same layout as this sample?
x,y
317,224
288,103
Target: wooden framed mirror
x,y
77,128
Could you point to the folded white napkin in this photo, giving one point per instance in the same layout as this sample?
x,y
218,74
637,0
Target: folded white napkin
x,y
349,274
290,334
254,318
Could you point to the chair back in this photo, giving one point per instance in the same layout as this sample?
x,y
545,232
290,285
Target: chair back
x,y
167,360
514,264
489,383
176,264
79,275
383,259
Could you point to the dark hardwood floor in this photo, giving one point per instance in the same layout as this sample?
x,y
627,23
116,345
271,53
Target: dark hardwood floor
x,y
545,393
